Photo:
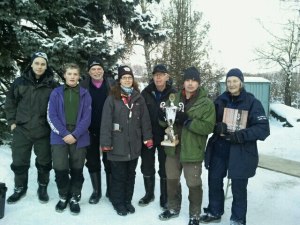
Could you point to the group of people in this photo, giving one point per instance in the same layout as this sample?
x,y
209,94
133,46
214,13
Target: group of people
x,y
69,125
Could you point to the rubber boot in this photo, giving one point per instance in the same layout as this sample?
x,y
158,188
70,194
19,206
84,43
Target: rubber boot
x,y
96,183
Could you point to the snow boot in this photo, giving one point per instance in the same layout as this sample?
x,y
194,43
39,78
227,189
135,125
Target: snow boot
x,y
62,203
149,182
121,209
130,208
74,204
194,220
210,218
168,214
42,193
19,192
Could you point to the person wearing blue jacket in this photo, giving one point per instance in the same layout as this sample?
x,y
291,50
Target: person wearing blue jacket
x,y
69,117
233,152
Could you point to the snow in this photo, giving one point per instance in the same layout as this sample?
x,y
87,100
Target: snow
x,y
292,114
273,198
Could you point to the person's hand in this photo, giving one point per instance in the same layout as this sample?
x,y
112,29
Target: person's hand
x,y
221,128
69,139
13,126
235,138
181,117
161,115
149,143
106,148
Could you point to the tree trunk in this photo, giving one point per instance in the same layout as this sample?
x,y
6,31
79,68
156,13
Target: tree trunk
x,y
287,90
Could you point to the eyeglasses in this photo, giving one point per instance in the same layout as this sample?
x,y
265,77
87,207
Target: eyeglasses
x,y
127,78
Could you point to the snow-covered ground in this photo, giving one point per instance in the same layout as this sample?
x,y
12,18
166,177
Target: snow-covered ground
x,y
273,198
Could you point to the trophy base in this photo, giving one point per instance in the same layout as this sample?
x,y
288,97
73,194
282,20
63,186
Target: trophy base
x,y
169,143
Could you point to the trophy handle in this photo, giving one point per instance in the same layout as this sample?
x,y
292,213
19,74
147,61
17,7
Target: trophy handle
x,y
162,105
181,106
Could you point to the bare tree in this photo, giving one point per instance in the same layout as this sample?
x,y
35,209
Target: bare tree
x,y
284,52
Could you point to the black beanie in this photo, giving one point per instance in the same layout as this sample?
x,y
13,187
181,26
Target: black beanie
x,y
191,73
93,61
122,70
160,68
39,54
235,72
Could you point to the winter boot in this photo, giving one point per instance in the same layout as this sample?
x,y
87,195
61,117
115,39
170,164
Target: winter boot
x,y
42,193
62,203
232,222
149,182
130,208
19,192
96,183
74,204
163,193
210,218
194,220
168,214
121,209
108,185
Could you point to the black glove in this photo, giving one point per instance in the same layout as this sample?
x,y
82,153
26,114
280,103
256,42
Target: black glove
x,y
235,138
221,128
181,117
161,115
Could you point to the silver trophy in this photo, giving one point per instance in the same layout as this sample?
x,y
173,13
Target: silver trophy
x,y
170,138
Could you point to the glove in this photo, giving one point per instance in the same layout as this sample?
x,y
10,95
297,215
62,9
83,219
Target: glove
x,y
149,143
106,148
235,138
161,115
221,128
181,117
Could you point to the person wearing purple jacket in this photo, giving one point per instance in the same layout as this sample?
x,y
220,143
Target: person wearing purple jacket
x,y
69,117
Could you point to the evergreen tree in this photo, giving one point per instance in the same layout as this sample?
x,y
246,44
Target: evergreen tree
x,y
68,31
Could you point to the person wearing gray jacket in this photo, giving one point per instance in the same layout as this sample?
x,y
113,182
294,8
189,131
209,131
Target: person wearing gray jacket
x,y
125,123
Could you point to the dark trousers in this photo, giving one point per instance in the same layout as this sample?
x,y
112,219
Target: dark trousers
x,y
93,162
216,173
22,146
68,165
148,161
123,180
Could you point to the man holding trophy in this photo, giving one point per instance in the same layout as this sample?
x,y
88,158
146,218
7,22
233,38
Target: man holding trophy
x,y
194,120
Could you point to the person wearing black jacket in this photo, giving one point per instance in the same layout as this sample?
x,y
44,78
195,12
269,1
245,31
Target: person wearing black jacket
x,y
156,92
233,151
26,113
99,87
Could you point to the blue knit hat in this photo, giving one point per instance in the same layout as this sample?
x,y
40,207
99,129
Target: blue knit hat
x,y
235,72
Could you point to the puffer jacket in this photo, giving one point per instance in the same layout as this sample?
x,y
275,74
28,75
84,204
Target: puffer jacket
x,y
193,136
243,157
124,134
26,103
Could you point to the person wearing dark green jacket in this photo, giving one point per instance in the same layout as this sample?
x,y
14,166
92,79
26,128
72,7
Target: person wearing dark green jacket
x,y
26,111
193,127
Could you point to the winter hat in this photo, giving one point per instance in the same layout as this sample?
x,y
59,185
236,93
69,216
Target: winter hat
x,y
159,68
93,61
122,70
191,73
39,54
236,73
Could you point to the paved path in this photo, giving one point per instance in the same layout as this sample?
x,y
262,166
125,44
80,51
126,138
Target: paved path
x,y
289,167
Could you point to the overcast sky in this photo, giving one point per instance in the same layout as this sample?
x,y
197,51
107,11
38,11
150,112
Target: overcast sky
x,y
236,31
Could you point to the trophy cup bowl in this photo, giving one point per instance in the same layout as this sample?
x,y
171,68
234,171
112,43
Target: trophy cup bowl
x,y
170,138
